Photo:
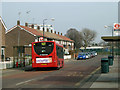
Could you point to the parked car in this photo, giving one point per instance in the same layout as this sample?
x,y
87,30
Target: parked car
x,y
95,53
90,54
87,55
81,56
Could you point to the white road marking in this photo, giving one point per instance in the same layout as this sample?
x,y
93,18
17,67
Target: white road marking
x,y
29,81
24,82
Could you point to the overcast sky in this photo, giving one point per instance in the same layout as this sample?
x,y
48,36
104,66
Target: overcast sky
x,y
79,15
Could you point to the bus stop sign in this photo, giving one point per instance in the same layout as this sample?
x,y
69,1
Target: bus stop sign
x,y
117,29
116,26
41,39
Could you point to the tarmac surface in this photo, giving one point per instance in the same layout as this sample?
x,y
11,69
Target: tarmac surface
x,y
74,74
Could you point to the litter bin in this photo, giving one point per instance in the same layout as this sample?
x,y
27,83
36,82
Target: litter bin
x,y
110,58
104,65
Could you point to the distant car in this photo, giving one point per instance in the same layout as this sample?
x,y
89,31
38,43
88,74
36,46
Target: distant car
x,y
87,55
95,53
91,54
81,56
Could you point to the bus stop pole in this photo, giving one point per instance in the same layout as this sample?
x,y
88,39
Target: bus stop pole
x,y
112,44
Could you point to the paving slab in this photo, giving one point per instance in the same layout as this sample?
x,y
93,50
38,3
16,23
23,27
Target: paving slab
x,y
108,80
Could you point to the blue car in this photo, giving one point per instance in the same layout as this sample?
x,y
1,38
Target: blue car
x,y
81,56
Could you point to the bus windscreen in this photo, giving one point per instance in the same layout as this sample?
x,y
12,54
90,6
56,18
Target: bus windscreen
x,y
43,48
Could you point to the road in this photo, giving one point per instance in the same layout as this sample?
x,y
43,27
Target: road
x,y
71,76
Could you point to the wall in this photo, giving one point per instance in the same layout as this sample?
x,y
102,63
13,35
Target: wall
x,y
17,37
2,37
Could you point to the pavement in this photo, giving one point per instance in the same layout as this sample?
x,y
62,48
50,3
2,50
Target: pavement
x,y
105,80
0,79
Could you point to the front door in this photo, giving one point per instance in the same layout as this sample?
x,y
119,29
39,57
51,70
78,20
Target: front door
x,y
3,54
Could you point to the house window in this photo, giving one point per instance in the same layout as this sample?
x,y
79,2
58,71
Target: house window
x,y
69,46
64,46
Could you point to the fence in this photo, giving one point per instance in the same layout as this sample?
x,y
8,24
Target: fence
x,y
67,56
6,64
21,56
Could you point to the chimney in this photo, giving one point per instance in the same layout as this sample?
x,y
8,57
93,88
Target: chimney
x,y
26,24
38,27
61,33
58,33
55,32
18,22
47,30
51,31
32,25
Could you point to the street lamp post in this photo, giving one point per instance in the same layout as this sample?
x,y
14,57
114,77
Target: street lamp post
x,y
44,25
112,40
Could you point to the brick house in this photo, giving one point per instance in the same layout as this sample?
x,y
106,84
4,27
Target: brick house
x,y
23,36
2,39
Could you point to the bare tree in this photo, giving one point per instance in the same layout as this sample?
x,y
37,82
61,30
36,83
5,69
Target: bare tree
x,y
87,36
75,35
103,43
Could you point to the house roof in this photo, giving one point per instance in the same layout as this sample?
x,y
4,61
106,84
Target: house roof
x,y
52,35
37,32
3,23
33,31
65,38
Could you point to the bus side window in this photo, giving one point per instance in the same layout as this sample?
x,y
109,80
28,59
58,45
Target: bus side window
x,y
57,50
60,52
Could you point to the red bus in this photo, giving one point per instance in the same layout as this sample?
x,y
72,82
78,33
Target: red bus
x,y
47,54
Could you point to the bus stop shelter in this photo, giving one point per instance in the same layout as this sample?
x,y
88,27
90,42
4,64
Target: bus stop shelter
x,y
111,38
115,41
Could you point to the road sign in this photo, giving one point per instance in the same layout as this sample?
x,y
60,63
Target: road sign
x,y
41,39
